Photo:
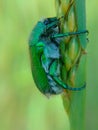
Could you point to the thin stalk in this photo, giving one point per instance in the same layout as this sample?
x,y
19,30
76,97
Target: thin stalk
x,y
73,51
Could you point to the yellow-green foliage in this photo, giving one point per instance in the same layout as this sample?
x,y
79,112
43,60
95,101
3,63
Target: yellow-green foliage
x,y
22,106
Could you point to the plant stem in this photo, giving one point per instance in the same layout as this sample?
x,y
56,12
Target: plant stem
x,y
73,72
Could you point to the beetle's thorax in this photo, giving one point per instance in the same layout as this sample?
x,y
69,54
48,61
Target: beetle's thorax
x,y
36,33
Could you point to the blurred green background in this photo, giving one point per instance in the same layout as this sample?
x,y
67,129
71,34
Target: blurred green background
x,y
22,106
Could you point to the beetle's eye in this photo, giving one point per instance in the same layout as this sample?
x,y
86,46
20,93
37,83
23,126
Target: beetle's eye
x,y
46,21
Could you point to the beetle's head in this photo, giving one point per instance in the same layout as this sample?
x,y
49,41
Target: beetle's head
x,y
49,21
52,24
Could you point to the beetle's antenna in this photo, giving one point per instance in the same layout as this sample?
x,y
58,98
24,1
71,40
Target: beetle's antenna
x,y
60,17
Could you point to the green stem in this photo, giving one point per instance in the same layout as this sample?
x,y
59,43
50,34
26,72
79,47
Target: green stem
x,y
77,108
73,71
77,101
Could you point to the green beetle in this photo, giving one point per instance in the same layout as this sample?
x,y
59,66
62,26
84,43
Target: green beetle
x,y
45,56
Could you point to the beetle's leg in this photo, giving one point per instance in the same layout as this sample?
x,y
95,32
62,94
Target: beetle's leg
x,y
69,34
54,73
40,44
40,47
65,86
53,68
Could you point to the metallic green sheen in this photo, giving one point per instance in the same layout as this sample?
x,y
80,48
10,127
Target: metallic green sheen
x,y
38,72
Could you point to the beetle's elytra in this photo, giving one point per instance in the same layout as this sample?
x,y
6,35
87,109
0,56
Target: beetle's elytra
x,y
45,56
